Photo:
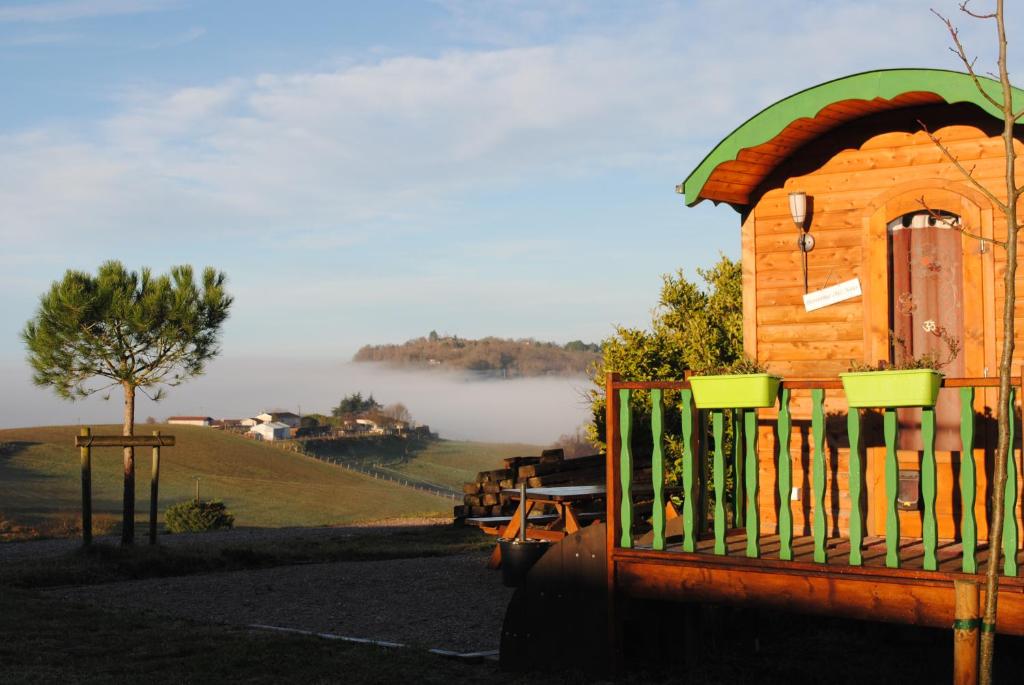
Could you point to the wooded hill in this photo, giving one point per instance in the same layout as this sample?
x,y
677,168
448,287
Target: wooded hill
x,y
498,357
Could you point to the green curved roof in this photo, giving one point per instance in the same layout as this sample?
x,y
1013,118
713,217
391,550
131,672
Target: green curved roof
x,y
951,86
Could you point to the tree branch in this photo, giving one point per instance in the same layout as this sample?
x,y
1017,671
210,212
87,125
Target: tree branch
x,y
960,167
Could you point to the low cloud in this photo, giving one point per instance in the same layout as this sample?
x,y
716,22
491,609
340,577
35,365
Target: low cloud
x,y
459,406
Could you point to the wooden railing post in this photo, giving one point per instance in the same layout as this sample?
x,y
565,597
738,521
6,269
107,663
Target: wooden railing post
x,y
86,466
718,428
737,468
691,474
785,479
626,468
856,488
820,523
966,623
1010,529
929,524
968,482
657,470
892,485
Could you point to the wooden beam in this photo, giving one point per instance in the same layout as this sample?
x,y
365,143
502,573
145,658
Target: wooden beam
x,y
874,597
124,441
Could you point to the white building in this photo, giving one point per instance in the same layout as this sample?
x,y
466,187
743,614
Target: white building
x,y
272,431
190,420
286,417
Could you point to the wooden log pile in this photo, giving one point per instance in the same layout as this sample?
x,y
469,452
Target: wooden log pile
x,y
484,497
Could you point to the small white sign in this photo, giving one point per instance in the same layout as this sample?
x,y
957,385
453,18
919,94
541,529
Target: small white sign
x,y
846,290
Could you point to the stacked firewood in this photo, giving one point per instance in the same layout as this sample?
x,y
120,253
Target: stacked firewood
x,y
484,496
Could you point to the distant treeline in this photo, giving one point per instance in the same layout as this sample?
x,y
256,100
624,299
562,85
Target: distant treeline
x,y
497,357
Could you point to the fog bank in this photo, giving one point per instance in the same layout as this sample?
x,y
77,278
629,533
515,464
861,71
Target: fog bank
x,y
457,405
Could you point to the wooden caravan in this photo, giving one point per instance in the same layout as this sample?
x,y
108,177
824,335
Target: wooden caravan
x,y
900,244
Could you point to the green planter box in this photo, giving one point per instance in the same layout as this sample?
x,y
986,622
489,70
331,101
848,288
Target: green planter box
x,y
878,389
742,391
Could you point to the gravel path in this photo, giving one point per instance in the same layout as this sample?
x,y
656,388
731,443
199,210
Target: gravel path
x,y
43,549
439,602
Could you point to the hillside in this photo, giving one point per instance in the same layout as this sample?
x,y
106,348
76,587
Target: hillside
x,y
496,357
448,463
262,485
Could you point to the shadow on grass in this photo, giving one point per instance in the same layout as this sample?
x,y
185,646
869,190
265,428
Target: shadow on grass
x,y
105,563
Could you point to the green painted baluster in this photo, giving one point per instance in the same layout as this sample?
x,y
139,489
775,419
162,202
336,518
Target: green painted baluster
x,y
968,482
718,428
785,479
753,515
657,471
929,531
702,469
691,478
818,474
626,468
737,468
856,484
892,484
1010,531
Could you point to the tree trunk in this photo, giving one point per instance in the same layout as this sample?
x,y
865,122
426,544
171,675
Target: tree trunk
x,y
128,511
1005,413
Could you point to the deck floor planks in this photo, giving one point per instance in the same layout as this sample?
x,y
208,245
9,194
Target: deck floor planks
x,y
949,552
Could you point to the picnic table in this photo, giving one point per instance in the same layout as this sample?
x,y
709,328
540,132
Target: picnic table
x,y
565,500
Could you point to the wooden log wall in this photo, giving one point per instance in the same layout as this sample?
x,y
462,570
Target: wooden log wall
x,y
859,178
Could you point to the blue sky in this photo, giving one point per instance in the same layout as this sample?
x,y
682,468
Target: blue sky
x,y
367,172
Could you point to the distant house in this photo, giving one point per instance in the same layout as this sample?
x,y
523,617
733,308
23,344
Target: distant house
x,y
228,424
271,430
249,422
190,420
286,417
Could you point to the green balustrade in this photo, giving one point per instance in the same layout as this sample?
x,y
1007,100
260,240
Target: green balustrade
x,y
691,478
1010,530
785,429
819,529
856,488
657,471
752,472
892,475
626,468
700,505
968,482
929,527
718,428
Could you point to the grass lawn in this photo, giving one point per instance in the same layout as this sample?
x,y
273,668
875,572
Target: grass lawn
x,y
103,563
262,485
44,640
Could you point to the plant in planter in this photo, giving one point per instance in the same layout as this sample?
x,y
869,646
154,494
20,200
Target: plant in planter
x,y
744,384
912,381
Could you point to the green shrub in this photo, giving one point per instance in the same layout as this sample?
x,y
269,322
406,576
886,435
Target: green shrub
x,y
195,516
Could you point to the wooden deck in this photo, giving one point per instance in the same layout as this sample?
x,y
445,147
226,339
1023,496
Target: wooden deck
x,y
873,591
838,549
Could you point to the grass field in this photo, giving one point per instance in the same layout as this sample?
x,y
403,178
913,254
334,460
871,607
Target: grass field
x,y
262,485
452,463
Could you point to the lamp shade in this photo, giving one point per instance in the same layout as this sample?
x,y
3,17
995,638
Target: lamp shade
x,y
798,207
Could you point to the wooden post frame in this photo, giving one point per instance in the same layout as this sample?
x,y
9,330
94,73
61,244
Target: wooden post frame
x,y
85,441
86,465
966,623
154,490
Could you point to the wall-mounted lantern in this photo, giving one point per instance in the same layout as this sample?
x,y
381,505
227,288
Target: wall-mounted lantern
x,y
805,241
